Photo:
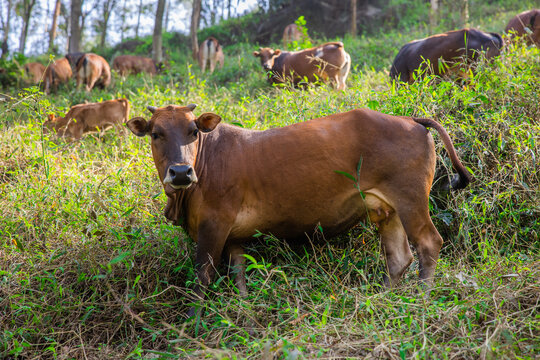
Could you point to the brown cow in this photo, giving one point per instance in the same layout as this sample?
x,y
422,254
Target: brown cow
x,y
84,118
93,70
526,24
58,72
291,33
211,52
131,64
34,71
327,61
442,53
223,186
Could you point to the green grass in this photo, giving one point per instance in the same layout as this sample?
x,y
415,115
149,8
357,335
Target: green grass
x,y
89,267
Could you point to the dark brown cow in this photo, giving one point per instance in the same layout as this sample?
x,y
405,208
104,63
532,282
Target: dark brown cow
x,y
327,61
93,70
291,33
73,59
34,71
449,48
211,52
224,182
58,72
526,24
84,118
131,64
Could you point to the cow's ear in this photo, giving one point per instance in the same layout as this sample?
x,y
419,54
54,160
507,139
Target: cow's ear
x,y
277,52
138,125
207,122
50,117
256,54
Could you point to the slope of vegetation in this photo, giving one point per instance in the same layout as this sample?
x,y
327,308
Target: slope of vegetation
x,y
89,268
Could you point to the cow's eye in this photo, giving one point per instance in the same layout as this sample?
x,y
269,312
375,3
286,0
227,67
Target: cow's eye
x,y
154,136
195,132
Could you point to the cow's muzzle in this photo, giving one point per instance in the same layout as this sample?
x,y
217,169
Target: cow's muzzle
x,y
180,176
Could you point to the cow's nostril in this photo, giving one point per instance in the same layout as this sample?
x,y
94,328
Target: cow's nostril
x,y
172,172
189,172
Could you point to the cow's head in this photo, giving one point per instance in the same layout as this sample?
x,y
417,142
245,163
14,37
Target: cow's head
x,y
49,124
267,56
175,135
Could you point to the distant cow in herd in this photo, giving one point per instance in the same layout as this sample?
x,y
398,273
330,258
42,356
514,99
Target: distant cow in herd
x,y
84,118
223,186
527,25
291,33
210,53
443,53
327,61
58,72
92,70
131,64
34,71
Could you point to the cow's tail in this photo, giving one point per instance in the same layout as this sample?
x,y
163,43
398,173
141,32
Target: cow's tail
x,y
212,48
463,178
81,69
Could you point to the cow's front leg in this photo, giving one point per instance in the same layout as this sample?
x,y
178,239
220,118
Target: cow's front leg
x,y
211,239
235,256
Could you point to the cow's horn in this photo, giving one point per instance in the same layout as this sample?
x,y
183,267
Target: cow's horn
x,y
191,106
152,109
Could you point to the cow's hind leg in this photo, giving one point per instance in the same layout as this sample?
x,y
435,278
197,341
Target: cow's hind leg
x,y
426,239
394,243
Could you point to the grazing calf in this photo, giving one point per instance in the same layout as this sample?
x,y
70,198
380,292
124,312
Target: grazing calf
x,y
327,61
223,186
291,33
130,64
443,53
526,24
34,71
84,118
93,70
58,72
211,52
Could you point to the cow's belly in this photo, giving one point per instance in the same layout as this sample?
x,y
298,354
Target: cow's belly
x,y
292,220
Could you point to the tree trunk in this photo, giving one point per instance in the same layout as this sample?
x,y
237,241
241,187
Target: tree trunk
x,y
433,15
195,18
5,26
465,13
52,32
229,9
167,9
27,6
75,25
138,19
157,38
108,6
353,17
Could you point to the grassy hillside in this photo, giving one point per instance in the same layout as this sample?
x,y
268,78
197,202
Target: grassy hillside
x,y
89,267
